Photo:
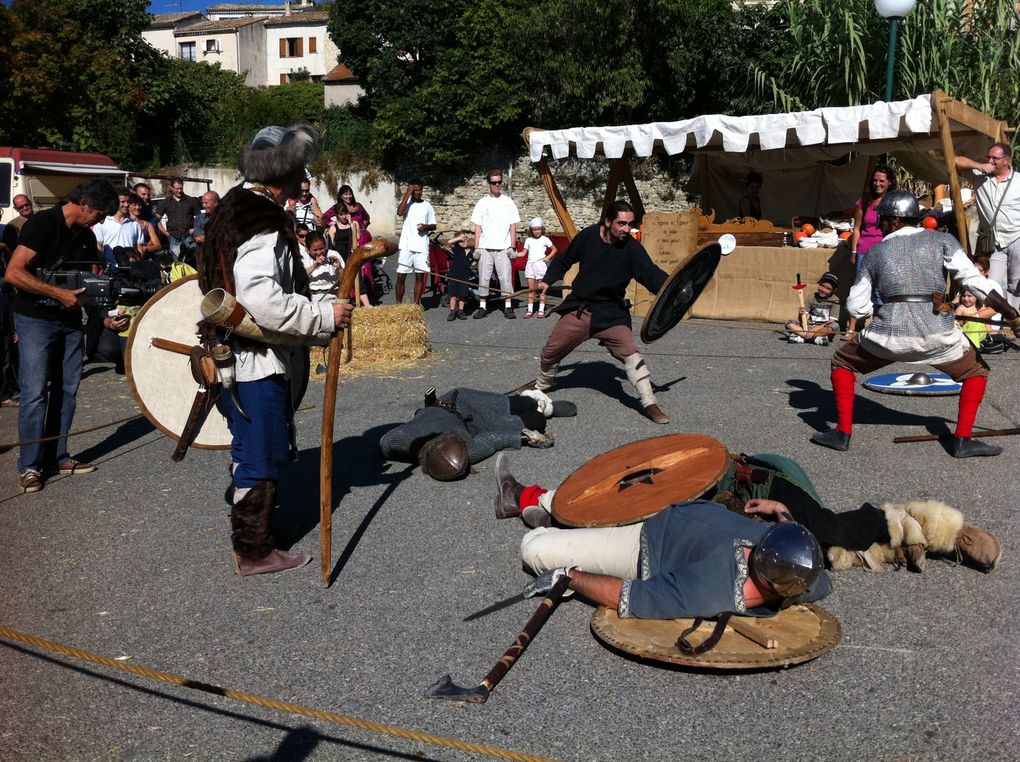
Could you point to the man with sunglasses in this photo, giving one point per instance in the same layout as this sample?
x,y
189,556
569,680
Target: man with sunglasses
x,y
48,320
998,205
495,218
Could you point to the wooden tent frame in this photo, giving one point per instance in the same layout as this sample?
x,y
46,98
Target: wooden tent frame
x,y
944,108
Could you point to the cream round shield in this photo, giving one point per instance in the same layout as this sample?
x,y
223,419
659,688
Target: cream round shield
x,y
158,364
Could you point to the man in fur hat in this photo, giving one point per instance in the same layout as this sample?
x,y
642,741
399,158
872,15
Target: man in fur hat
x,y
251,251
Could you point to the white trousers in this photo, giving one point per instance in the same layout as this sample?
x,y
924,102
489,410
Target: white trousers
x,y
498,259
603,550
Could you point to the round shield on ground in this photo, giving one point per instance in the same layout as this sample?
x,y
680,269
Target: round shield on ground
x,y
914,384
635,481
679,293
160,379
796,634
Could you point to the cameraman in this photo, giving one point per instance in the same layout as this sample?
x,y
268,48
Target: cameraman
x,y
51,338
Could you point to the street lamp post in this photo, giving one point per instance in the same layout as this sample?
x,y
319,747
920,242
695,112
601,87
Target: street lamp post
x,y
894,10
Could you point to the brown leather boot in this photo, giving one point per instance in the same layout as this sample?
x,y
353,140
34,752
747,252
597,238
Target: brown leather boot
x,y
911,556
978,548
654,413
276,561
508,490
251,520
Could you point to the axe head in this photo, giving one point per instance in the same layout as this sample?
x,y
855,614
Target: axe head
x,y
445,688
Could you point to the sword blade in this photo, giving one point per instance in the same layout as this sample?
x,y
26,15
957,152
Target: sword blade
x,y
505,603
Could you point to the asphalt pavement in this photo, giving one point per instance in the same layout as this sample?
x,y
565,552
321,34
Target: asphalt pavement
x,y
133,562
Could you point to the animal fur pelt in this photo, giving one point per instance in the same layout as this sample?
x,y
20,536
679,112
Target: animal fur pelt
x,y
928,523
277,152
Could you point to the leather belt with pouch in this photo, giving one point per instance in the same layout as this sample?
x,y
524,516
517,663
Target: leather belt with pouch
x,y
203,370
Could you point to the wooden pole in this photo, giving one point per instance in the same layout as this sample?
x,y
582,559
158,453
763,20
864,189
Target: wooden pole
x,y
551,189
632,191
939,99
613,183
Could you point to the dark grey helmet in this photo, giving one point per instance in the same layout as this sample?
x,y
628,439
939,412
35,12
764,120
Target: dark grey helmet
x,y
787,560
898,203
445,458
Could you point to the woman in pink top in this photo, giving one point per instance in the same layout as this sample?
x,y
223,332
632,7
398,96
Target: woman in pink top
x,y
866,231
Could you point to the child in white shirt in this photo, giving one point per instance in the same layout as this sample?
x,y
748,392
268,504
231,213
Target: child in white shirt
x,y
540,252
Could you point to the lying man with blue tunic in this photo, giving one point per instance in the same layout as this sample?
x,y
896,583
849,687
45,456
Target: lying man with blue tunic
x,y
752,549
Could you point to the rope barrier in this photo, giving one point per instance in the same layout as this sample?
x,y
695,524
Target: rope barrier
x,y
269,703
8,445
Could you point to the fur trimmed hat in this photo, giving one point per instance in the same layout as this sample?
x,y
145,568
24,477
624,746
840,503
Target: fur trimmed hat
x,y
278,151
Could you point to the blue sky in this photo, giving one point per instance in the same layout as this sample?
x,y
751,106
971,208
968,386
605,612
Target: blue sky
x,y
173,6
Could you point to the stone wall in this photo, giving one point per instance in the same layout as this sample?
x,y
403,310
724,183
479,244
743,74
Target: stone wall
x,y
582,184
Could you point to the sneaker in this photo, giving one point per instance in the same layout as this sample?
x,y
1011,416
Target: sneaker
x,y
822,341
795,339
529,315
480,313
71,466
508,313
461,315
451,317
31,481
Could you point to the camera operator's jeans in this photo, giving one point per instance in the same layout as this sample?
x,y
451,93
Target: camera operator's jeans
x,y
51,353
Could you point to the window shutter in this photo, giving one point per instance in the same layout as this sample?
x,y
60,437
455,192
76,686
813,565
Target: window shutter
x,y
300,46
283,47
312,45
283,79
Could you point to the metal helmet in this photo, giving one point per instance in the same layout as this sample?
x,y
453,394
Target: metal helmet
x,y
898,203
445,458
787,560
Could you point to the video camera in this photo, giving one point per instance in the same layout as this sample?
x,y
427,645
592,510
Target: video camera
x,y
130,285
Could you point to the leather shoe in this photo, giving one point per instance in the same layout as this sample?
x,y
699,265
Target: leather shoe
x,y
535,516
479,314
654,413
508,490
978,548
509,313
834,439
965,447
276,561
911,556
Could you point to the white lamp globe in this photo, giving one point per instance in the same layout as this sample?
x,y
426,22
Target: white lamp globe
x,y
894,9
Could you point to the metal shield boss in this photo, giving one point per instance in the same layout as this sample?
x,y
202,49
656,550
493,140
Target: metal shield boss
x,y
796,634
679,293
160,379
636,481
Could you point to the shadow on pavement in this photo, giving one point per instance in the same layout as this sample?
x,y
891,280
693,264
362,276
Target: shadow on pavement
x,y
819,409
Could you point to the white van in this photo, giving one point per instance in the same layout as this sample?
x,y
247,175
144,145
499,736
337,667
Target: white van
x,y
46,176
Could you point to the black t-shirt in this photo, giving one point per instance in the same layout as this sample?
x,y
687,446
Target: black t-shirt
x,y
57,247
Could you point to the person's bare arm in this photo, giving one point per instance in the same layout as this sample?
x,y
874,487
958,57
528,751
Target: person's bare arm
x,y
405,201
478,237
771,509
513,235
855,237
18,276
316,212
962,162
597,588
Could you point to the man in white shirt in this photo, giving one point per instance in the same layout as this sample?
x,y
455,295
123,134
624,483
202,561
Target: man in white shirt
x,y
998,205
419,221
120,231
495,218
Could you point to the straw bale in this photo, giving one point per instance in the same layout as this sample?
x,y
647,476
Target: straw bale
x,y
385,339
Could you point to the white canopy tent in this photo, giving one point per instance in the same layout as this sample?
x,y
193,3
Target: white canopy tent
x,y
813,161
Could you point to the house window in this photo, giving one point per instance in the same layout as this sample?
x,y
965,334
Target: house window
x,y
313,45
212,46
187,51
291,47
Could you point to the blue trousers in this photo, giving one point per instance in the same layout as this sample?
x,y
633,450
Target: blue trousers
x,y
48,374
260,447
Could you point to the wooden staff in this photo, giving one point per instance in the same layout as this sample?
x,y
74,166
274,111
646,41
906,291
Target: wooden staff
x,y
377,247
947,437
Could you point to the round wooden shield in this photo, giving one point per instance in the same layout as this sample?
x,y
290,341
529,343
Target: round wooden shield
x,y
637,480
938,384
796,634
679,293
160,379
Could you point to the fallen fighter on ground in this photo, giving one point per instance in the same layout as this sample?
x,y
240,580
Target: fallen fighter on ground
x,y
684,560
466,426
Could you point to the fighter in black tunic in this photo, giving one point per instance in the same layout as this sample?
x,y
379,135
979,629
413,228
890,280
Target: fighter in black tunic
x,y
608,258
